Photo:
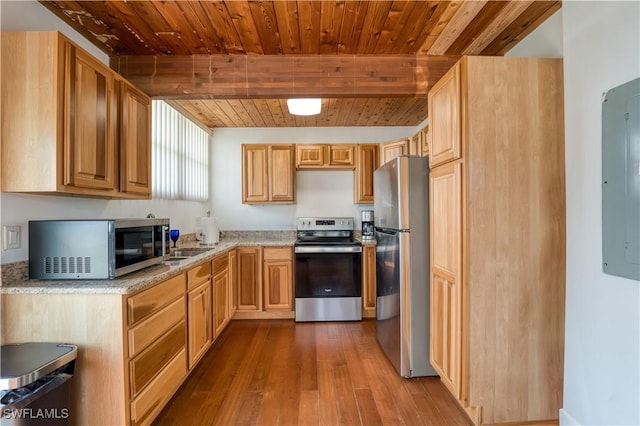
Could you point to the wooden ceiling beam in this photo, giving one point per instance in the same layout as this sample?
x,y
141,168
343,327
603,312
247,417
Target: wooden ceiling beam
x,y
282,76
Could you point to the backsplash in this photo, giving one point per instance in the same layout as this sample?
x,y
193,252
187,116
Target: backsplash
x,y
14,272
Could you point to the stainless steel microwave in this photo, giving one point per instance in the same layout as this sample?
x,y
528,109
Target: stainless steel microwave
x,y
95,249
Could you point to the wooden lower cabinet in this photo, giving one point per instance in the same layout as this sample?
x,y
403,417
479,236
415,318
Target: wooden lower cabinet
x,y
249,279
265,282
368,281
278,278
200,321
233,282
220,293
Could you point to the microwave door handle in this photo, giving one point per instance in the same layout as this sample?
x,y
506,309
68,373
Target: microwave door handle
x,y
164,240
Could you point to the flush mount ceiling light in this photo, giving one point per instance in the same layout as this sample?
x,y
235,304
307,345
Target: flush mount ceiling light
x,y
304,106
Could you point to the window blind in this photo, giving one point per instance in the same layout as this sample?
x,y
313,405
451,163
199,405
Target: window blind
x,y
180,168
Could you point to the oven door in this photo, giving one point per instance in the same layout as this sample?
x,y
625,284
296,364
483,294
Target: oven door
x,y
328,271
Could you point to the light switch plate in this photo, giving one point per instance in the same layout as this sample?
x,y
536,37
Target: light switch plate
x,y
10,237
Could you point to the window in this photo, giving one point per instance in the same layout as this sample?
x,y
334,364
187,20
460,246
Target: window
x,y
180,156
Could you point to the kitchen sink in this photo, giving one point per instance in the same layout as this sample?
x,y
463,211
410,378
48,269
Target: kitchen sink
x,y
188,252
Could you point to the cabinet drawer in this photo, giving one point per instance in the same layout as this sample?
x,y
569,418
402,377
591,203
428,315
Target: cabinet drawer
x,y
143,304
151,401
220,263
277,253
198,275
145,367
149,330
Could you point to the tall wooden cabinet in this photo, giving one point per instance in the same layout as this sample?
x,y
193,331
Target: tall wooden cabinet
x,y
268,174
70,124
497,221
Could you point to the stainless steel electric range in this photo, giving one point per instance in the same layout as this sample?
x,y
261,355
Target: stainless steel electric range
x,y
328,270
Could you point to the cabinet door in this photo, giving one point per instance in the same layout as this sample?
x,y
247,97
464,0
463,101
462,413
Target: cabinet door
x,y
391,150
220,301
424,141
310,156
366,164
233,282
199,322
278,285
444,118
282,173
445,193
414,145
255,177
342,155
369,281
135,140
90,117
249,279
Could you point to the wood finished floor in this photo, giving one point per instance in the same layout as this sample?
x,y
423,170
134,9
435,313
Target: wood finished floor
x,y
278,372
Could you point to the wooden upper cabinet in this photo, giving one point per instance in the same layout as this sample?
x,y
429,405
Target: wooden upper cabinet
x,y
62,124
393,149
444,118
366,164
325,156
268,174
312,156
135,140
342,156
90,122
425,142
281,173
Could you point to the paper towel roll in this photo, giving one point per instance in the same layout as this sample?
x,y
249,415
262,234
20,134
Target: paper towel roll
x,y
210,233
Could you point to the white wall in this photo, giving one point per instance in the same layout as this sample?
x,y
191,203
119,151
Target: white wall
x,y
16,209
319,193
602,344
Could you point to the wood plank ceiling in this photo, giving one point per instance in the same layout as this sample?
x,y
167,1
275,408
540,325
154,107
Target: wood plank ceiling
x,y
233,63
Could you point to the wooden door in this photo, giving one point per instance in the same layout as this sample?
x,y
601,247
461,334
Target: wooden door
x,y
281,173
233,281
249,279
368,281
135,140
366,164
444,118
220,301
393,149
255,174
90,117
200,333
445,216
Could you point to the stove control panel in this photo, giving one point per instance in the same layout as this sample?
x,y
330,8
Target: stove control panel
x,y
325,224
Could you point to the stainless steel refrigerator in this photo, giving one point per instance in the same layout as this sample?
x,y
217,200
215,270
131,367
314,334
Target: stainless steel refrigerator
x,y
401,206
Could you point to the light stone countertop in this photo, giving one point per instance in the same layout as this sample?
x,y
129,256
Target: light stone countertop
x,y
147,277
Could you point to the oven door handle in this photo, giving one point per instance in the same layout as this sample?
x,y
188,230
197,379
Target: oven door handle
x,y
328,249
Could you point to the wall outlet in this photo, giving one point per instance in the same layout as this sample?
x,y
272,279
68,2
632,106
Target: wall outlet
x,y
10,237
